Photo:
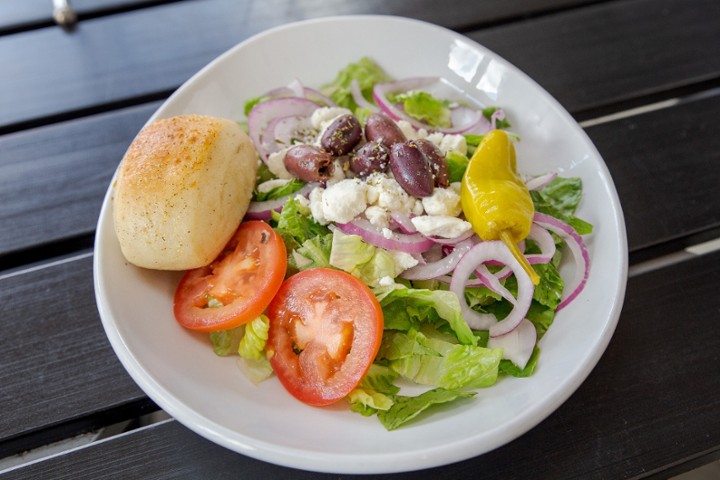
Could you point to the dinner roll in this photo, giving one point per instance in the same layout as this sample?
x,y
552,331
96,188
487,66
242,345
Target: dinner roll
x,y
181,191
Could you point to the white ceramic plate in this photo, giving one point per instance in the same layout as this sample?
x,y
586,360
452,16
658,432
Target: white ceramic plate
x,y
208,394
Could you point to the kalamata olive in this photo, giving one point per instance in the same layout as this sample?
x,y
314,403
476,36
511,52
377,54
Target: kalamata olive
x,y
411,169
341,135
371,157
438,165
383,129
309,163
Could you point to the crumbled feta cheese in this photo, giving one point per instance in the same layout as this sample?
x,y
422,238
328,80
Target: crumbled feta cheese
x,y
377,216
448,142
338,173
453,142
276,164
316,206
387,233
270,184
391,196
409,131
340,202
403,261
441,226
386,281
443,201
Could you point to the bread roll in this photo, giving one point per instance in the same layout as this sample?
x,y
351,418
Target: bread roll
x,y
181,191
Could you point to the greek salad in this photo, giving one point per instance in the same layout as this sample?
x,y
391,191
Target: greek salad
x,y
370,258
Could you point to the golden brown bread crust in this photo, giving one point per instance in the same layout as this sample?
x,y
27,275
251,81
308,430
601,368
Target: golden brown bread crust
x,y
181,191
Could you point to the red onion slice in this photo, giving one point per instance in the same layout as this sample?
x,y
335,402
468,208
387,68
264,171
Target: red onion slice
x,y
445,265
360,98
264,112
283,132
517,345
491,281
538,183
404,222
545,242
579,251
476,256
263,210
413,243
297,89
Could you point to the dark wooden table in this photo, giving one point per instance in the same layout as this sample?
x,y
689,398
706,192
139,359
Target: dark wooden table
x,y
642,77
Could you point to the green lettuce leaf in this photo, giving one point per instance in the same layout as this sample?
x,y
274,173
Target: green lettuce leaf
x,y
252,344
226,342
457,164
295,224
365,71
425,107
290,187
360,259
560,198
405,409
410,308
439,363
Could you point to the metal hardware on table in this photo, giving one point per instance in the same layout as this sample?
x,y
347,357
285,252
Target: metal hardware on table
x,y
64,14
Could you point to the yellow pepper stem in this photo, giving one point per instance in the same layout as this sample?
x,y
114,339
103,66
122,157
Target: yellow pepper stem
x,y
508,241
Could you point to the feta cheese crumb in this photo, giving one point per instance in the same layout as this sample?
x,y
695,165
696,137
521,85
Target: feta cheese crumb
x,y
377,216
276,164
443,201
387,233
441,226
386,281
410,132
389,195
340,202
403,261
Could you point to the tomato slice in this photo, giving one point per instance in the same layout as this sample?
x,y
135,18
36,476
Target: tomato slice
x,y
325,331
238,285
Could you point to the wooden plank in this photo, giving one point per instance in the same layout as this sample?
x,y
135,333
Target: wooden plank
x,y
651,401
19,14
612,53
68,168
665,167
56,364
16,14
52,73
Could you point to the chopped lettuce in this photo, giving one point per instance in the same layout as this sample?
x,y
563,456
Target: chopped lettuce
x,y
425,107
560,198
226,342
457,164
410,308
405,408
252,344
291,186
360,259
365,71
436,362
295,224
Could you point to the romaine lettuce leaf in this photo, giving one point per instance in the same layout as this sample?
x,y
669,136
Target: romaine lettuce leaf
x,y
560,199
360,259
366,72
425,107
405,409
410,308
439,363
295,224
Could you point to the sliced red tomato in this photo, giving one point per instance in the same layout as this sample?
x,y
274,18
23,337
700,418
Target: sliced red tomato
x,y
325,331
238,285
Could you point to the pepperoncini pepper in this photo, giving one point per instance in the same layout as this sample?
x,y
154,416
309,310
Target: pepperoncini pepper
x,y
494,199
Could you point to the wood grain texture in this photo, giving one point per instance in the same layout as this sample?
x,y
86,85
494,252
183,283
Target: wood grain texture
x,y
613,53
56,364
143,52
666,167
651,401
53,179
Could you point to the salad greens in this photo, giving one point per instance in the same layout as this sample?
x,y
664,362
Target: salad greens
x,y
426,340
